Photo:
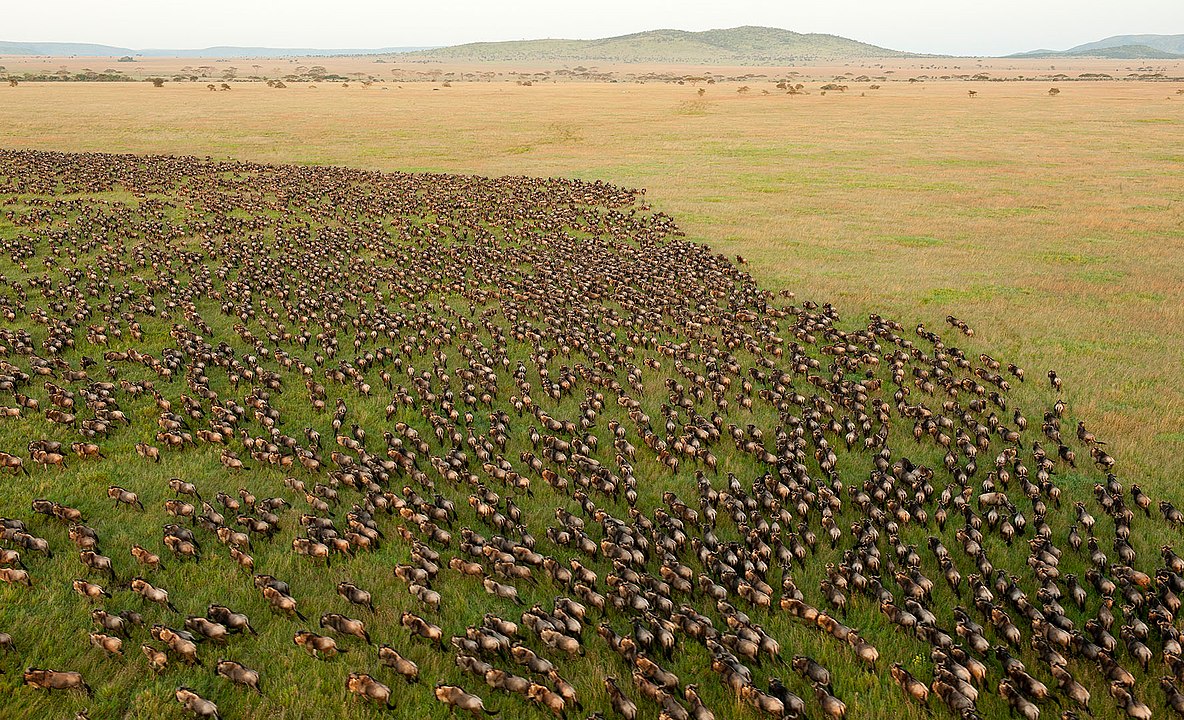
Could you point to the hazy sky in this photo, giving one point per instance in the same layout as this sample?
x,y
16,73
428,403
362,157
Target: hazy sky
x,y
979,27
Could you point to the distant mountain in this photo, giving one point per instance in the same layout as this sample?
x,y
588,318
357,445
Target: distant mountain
x,y
230,51
1173,44
57,49
1121,47
733,46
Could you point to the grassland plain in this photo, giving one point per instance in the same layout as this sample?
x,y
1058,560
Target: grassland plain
x,y
49,619
1053,225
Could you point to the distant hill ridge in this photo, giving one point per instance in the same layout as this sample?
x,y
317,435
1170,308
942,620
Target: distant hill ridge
x,y
1121,47
748,45
58,49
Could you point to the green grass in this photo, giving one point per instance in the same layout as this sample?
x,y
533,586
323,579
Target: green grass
x,y
1070,172
50,623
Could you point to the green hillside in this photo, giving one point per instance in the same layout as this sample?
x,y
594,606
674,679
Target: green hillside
x,y
733,46
1118,52
1173,44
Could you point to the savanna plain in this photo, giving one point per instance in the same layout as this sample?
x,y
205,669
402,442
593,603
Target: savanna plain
x,y
1051,225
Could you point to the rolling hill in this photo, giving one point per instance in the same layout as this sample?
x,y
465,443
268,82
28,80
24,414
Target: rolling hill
x,y
1121,47
59,49
738,46
1173,44
62,49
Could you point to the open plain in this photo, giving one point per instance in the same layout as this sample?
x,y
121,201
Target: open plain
x,y
1051,225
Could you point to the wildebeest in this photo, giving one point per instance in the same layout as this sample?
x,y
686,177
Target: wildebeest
x,y
497,313
355,595
319,646
457,699
151,593
392,659
158,659
107,643
367,687
422,628
238,673
56,680
345,625
235,621
178,644
196,705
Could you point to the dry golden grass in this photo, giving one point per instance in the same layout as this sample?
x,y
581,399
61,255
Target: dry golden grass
x,y
394,67
1053,225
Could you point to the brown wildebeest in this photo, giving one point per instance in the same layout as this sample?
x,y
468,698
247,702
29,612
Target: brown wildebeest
x,y
158,659
311,548
97,562
148,452
56,680
428,597
86,450
499,679
235,621
456,698
110,622
146,558
182,548
507,592
811,670
238,673
45,459
179,644
151,593
355,595
89,591
762,701
345,625
547,698
422,628
127,497
196,705
16,576
282,603
912,686
207,628
392,659
107,643
367,687
13,463
624,707
317,645
9,558
181,487
830,704
243,560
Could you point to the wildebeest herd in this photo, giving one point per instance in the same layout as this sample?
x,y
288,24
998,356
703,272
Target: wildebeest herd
x,y
514,446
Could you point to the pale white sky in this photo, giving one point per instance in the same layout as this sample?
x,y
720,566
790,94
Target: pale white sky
x,y
976,27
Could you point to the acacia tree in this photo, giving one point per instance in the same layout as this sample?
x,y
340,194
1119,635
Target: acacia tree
x,y
157,81
12,82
